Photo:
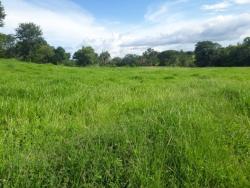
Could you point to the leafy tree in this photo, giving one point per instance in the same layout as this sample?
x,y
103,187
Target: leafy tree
x,y
246,41
29,39
187,59
167,58
176,58
117,61
60,56
44,54
241,54
130,60
2,14
150,57
104,58
206,53
7,46
85,56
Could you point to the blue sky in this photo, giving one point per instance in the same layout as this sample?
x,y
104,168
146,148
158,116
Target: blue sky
x,y
132,26
128,11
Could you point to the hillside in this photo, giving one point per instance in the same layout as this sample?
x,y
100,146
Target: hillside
x,y
123,127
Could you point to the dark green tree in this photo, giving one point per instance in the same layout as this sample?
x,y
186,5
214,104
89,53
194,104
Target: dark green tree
x,y
117,61
29,39
130,60
44,54
7,46
60,56
169,58
2,14
176,58
85,56
206,53
104,58
246,41
150,58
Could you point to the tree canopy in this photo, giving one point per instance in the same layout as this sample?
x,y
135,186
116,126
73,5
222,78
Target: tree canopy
x,y
2,14
205,52
60,55
29,39
85,56
150,57
104,58
7,45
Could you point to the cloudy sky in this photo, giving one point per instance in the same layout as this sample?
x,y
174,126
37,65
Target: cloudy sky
x,y
131,26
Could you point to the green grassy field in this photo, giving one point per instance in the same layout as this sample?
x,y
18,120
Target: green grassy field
x,y
123,127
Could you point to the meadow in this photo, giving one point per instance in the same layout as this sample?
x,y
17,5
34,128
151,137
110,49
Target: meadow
x,y
123,127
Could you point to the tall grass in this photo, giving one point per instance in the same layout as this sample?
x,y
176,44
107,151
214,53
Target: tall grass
x,y
123,127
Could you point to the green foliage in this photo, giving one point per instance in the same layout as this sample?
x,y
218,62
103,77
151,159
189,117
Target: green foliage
x,y
44,54
7,46
150,58
206,53
85,56
28,32
104,58
60,56
2,14
176,58
29,40
117,61
246,41
130,60
126,127
212,54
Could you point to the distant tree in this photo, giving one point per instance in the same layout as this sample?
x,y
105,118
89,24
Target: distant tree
x,y
130,60
186,59
85,56
29,39
7,46
176,58
69,63
241,54
60,56
117,61
150,58
246,41
2,45
104,58
44,54
168,58
2,14
229,56
206,53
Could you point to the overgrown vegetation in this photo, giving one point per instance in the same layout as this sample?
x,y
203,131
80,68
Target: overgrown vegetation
x,y
109,127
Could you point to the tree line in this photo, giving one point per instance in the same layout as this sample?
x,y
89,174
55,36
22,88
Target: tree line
x,y
28,44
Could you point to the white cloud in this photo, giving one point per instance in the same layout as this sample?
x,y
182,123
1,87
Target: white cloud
x,y
242,2
224,5
221,6
63,23
218,28
66,24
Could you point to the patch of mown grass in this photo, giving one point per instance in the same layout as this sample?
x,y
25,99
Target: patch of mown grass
x,y
123,127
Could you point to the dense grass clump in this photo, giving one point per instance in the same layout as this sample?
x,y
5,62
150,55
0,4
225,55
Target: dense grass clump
x,y
123,127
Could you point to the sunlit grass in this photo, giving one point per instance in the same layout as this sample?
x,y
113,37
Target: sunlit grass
x,y
123,127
